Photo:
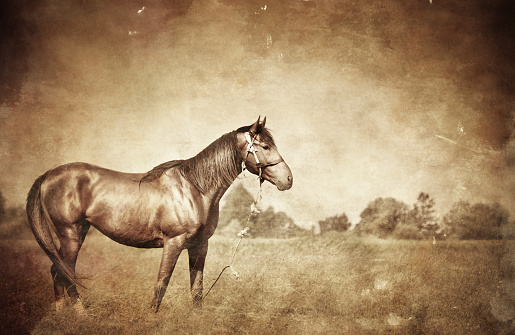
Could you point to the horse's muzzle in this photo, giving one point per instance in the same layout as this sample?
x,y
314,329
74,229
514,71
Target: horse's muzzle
x,y
280,175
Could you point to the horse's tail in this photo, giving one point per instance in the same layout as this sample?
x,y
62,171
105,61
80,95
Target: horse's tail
x,y
39,222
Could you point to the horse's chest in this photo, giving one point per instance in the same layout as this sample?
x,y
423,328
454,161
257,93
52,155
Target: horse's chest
x,y
187,218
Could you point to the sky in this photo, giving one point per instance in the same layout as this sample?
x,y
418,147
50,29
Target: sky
x,y
365,99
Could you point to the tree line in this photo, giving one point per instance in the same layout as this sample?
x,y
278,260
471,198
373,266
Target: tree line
x,y
383,218
390,218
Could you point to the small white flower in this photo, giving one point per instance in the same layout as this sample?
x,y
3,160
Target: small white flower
x,y
381,284
460,129
253,209
235,273
244,232
394,319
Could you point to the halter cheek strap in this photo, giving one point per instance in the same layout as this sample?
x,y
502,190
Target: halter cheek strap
x,y
251,149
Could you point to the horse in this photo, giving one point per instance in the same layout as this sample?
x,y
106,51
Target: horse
x,y
174,206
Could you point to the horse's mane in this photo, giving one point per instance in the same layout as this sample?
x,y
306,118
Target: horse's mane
x,y
215,166
158,171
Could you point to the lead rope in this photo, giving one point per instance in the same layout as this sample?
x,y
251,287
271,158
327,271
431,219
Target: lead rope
x,y
241,235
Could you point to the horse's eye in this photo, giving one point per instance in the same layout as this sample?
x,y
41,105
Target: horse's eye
x,y
266,147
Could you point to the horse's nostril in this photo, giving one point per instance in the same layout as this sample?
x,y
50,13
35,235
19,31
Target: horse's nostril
x,y
289,178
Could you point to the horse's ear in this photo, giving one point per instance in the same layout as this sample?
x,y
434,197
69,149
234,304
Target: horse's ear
x,y
254,129
263,123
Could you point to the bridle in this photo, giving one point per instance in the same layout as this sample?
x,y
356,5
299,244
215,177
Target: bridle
x,y
252,150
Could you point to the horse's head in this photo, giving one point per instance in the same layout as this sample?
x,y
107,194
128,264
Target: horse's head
x,y
261,157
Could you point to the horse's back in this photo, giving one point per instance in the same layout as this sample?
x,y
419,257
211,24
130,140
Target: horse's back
x,y
67,190
86,170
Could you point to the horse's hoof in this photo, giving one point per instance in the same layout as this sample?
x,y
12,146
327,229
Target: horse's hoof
x,y
79,308
154,307
59,305
197,311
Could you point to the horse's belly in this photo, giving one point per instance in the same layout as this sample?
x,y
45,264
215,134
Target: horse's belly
x,y
144,224
138,242
134,233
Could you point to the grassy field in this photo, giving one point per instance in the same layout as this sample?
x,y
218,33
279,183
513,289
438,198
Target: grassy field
x,y
331,284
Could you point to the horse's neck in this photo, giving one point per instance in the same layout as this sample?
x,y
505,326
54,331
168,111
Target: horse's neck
x,y
214,169
216,195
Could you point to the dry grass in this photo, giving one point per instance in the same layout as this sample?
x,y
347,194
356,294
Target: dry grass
x,y
321,285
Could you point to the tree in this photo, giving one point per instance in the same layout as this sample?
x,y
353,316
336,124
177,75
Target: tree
x,y
235,214
420,222
475,222
236,207
274,224
381,217
338,223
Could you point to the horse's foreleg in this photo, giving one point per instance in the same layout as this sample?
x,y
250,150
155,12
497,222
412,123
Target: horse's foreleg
x,y
171,250
197,259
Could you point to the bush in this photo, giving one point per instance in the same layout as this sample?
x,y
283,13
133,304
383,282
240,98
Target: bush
x,y
337,223
478,221
407,232
381,217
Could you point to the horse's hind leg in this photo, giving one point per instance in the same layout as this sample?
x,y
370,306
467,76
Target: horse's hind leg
x,y
58,288
71,240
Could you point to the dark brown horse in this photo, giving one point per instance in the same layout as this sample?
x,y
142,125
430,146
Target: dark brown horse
x,y
174,206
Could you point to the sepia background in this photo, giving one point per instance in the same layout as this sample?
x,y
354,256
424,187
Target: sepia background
x,y
365,99
357,94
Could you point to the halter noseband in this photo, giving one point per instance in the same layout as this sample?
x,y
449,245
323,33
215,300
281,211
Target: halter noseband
x,y
251,149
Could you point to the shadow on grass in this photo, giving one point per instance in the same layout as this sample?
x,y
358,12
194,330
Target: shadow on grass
x,y
26,289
